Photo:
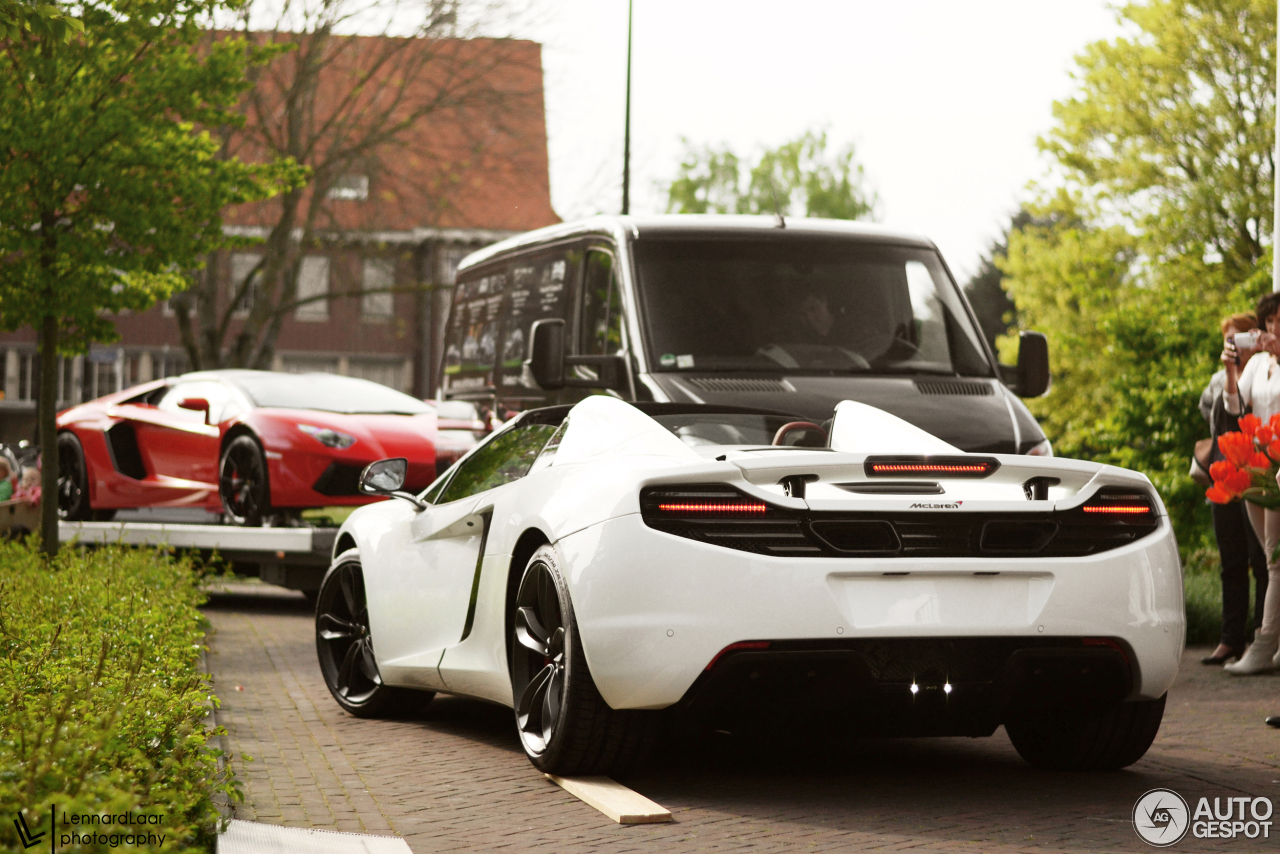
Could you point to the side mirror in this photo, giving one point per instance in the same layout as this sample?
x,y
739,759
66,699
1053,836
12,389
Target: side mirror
x,y
386,477
1033,365
547,361
545,364
196,404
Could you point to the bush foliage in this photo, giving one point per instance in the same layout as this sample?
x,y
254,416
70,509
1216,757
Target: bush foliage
x,y
102,702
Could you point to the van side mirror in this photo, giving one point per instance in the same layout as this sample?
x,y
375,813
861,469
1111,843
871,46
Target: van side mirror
x,y
1033,365
547,361
546,354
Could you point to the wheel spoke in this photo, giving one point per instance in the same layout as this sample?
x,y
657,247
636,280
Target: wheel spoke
x,y
368,665
344,672
530,632
530,705
551,702
349,592
333,628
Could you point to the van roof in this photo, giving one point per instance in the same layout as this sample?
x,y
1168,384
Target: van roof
x,y
670,225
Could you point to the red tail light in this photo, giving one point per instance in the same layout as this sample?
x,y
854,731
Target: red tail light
x,y
1119,509
706,507
1122,504
930,466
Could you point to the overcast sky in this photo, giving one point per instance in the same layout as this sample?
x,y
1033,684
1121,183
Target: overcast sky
x,y
943,99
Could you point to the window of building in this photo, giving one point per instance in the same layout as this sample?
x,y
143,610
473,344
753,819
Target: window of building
x,y
244,265
350,187
313,281
379,276
388,373
309,364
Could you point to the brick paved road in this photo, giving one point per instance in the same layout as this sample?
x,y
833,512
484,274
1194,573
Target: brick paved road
x,y
454,779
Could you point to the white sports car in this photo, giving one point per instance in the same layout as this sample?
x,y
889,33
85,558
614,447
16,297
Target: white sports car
x,y
593,565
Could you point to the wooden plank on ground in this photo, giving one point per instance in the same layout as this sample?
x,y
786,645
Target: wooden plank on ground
x,y
613,799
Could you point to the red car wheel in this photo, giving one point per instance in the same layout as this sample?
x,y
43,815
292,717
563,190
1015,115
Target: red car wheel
x,y
242,482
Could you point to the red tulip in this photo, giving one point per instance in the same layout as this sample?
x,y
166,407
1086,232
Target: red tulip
x,y
1265,436
1217,495
1220,470
1236,447
1249,424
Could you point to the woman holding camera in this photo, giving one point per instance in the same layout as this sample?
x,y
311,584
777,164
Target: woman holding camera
x,y
1238,548
1258,387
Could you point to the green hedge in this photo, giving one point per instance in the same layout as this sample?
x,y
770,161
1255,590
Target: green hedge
x,y
102,702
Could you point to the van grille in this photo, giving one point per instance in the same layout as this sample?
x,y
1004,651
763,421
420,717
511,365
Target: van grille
x,y
954,388
718,514
730,384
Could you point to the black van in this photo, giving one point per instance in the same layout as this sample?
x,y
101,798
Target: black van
x,y
790,315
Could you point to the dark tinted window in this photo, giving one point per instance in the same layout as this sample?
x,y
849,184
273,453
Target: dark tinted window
x,y
472,343
802,304
601,321
327,393
505,458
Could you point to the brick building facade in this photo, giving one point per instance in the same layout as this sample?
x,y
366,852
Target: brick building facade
x,y
461,181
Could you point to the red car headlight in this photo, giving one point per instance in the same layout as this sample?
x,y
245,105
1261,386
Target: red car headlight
x,y
328,437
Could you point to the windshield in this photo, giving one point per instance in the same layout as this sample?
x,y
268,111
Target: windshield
x,y
327,393
797,303
716,428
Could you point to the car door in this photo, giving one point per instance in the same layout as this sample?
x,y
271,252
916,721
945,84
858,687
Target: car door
x,y
180,448
424,603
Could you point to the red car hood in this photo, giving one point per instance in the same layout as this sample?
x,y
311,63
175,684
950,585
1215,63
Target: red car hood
x,y
377,436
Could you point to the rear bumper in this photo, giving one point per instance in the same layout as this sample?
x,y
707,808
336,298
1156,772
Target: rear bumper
x,y
960,686
655,609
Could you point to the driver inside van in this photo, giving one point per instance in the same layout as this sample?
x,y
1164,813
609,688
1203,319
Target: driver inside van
x,y
817,320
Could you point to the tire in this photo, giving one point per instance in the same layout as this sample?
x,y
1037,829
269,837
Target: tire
x,y
563,723
242,483
1103,741
73,480
344,646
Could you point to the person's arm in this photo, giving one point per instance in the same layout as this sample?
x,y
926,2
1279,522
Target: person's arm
x,y
1236,394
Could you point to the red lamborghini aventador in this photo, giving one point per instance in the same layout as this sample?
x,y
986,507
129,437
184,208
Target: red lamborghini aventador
x,y
256,445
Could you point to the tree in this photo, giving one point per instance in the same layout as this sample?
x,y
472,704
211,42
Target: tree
x,y
1156,230
798,175
355,111
986,290
107,190
44,20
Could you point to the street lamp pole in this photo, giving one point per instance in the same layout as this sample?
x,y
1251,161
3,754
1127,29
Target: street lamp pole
x,y
626,134
1275,198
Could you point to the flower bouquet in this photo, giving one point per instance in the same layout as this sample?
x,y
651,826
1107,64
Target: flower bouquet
x,y
1250,468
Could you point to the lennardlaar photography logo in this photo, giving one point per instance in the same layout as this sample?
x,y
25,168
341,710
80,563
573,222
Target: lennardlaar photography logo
x,y
25,835
1161,817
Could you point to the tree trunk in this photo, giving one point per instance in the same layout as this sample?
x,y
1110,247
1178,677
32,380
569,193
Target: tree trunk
x,y
46,420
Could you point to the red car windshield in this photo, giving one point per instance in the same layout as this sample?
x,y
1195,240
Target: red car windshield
x,y
327,393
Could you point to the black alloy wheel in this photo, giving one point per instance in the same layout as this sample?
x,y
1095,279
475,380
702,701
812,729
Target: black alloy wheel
x,y
344,645
538,665
243,484
73,480
564,724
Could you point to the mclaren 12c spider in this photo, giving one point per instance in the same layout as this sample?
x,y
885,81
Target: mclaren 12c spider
x,y
256,446
610,568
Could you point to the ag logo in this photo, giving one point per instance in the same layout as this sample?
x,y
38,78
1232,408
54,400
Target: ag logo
x,y
1161,817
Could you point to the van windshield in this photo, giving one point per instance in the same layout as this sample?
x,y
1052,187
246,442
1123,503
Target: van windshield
x,y
802,304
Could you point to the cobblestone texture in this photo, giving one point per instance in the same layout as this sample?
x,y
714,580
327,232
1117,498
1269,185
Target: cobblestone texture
x,y
455,780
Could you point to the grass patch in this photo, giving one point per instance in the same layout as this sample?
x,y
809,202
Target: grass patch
x,y
102,702
328,516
